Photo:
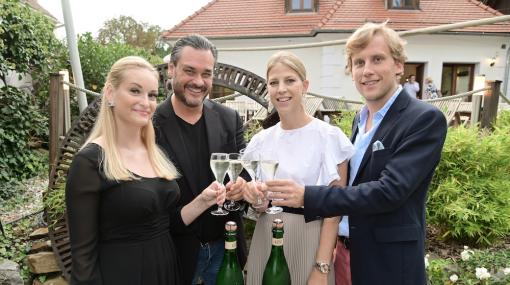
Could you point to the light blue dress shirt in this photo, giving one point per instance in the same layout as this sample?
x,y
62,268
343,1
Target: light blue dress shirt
x,y
361,143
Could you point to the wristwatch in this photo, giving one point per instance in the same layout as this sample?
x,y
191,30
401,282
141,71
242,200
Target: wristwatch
x,y
322,267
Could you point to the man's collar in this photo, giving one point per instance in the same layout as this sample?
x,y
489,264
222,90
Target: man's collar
x,y
382,112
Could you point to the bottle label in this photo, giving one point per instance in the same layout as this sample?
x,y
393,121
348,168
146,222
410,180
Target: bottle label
x,y
278,241
230,244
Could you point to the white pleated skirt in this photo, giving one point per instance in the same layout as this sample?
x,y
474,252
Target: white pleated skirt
x,y
300,243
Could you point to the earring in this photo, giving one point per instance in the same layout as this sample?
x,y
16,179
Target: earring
x,y
111,104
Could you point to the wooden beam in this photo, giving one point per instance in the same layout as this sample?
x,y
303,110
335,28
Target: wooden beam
x,y
490,104
56,115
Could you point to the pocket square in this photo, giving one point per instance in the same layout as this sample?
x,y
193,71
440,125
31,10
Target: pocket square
x,y
377,145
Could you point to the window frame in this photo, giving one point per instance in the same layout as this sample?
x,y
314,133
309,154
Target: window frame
x,y
300,9
415,5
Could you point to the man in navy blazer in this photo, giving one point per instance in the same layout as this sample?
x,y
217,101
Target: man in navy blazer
x,y
398,140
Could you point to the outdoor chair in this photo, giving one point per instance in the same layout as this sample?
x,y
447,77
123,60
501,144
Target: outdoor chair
x,y
449,108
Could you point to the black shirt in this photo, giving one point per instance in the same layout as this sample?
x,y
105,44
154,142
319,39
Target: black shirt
x,y
207,226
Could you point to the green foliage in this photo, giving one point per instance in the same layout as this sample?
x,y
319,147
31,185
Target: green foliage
x,y
97,58
54,201
28,46
251,129
15,244
469,194
20,123
28,35
126,30
9,190
503,120
440,270
56,60
437,270
344,121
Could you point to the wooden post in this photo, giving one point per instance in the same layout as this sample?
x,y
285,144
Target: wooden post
x,y
490,104
56,115
476,106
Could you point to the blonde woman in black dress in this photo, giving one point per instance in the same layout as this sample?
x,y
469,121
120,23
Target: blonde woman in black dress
x,y
121,189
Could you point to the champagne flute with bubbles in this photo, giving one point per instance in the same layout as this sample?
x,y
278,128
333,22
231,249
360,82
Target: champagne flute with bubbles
x,y
269,168
251,163
219,166
235,167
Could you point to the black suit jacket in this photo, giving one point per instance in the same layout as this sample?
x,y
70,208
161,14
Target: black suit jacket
x,y
386,204
224,134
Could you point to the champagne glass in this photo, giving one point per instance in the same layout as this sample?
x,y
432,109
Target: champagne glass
x,y
251,163
235,167
219,166
269,168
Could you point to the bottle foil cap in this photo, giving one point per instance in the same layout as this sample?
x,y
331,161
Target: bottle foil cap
x,y
231,226
278,223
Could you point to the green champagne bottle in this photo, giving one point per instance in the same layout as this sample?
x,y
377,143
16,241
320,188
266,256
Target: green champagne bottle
x,y
230,272
277,270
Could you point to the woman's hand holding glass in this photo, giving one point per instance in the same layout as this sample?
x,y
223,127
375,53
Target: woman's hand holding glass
x,y
254,195
213,194
269,168
250,161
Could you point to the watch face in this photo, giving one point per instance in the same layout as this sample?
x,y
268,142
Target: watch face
x,y
323,267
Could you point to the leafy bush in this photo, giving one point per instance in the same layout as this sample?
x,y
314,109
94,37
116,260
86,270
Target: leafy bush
x,y
97,58
27,34
29,47
469,194
54,201
503,120
437,270
251,129
9,190
20,123
15,244
344,121
468,268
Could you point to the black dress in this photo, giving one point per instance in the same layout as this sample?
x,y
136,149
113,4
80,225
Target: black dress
x,y
119,231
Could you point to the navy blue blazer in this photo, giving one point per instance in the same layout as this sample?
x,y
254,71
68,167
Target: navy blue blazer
x,y
386,204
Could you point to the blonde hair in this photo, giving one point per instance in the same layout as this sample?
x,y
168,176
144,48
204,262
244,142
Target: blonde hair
x,y
288,59
106,128
364,35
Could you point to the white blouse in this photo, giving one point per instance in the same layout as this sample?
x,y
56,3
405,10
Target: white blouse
x,y
308,155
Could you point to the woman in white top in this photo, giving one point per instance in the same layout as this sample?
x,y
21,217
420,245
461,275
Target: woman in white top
x,y
310,152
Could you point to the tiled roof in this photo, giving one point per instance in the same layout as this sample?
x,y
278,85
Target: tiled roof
x,y
267,18
432,13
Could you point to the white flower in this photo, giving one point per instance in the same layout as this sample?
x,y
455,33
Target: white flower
x,y
454,278
426,261
466,253
506,271
482,273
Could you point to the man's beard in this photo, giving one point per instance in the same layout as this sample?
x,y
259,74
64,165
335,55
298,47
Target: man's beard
x,y
179,93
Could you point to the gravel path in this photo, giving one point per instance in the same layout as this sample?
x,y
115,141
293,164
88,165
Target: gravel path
x,y
28,203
